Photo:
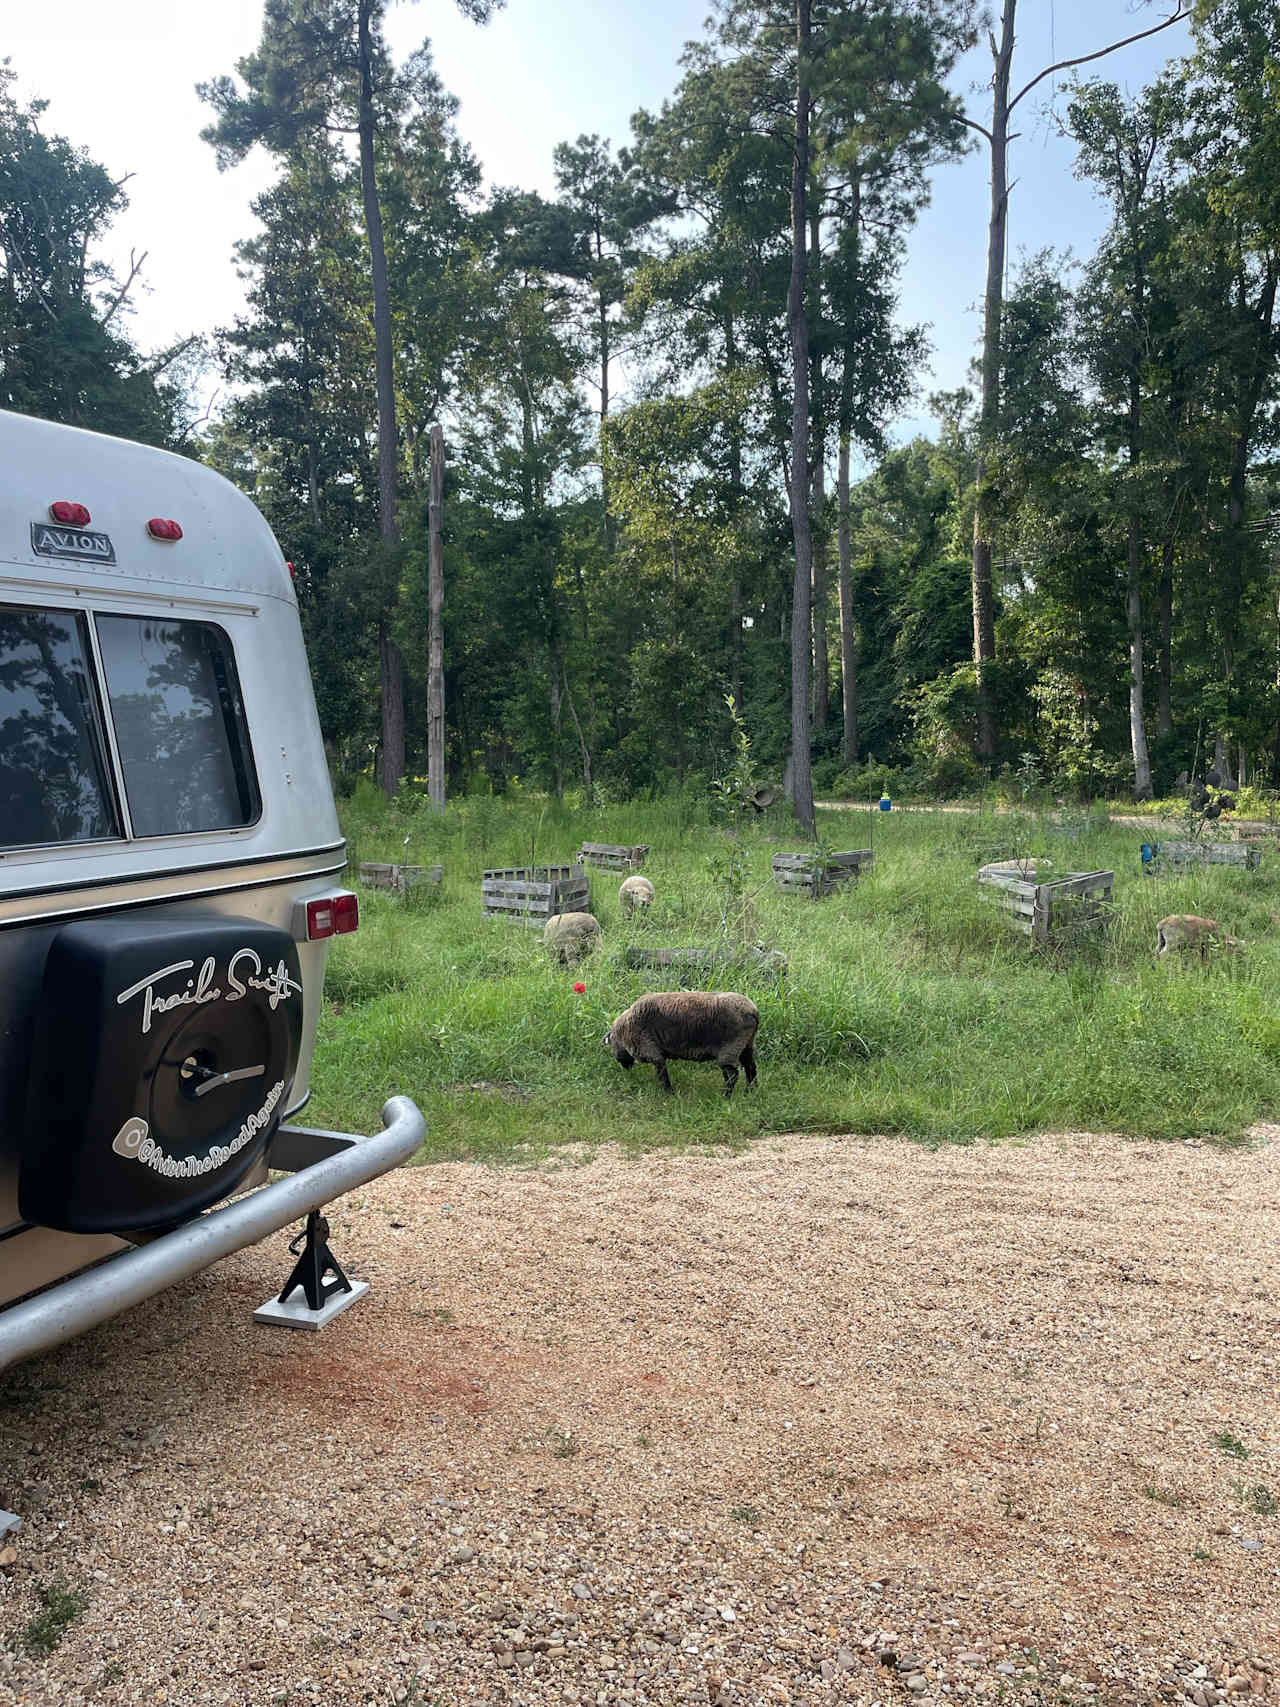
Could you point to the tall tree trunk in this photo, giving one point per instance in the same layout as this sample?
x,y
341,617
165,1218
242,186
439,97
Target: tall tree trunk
x,y
821,649
984,619
1135,555
391,670
435,623
735,648
984,637
588,787
1237,543
1137,722
801,753
556,677
817,458
1222,761
610,525
848,634
391,760
313,485
1164,711
735,481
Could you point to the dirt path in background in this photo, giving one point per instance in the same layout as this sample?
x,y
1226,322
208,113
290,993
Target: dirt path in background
x,y
1149,821
834,1419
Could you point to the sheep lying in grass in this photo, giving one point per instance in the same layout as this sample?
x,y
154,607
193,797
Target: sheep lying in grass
x,y
1188,932
635,894
688,1025
568,936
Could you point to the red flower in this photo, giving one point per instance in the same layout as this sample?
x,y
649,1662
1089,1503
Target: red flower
x,y
579,989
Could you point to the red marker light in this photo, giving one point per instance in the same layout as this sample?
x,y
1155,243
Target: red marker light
x,y
69,514
332,915
161,528
293,573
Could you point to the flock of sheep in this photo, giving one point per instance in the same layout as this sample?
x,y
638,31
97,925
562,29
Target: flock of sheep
x,y
721,1026
670,1025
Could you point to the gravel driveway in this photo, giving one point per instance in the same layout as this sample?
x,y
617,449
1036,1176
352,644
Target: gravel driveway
x,y
832,1419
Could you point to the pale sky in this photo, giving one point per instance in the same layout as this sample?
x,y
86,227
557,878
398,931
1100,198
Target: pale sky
x,y
120,80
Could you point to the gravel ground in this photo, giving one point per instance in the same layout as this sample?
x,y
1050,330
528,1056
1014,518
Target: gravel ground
x,y
831,1420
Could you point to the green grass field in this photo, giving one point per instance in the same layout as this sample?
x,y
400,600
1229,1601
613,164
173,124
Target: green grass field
x,y
909,1005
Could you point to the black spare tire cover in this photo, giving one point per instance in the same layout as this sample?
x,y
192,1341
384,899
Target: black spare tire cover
x,y
163,1056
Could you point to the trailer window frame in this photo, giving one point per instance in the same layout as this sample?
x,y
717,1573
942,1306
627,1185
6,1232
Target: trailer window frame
x,y
93,732
102,730
230,717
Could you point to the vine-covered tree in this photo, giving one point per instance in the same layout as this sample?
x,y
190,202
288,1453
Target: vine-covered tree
x,y
323,70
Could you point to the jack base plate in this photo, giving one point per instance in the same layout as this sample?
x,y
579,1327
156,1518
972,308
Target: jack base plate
x,y
296,1313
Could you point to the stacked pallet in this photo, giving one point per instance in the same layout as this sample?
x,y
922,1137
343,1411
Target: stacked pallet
x,y
399,878
813,875
684,966
613,856
1177,856
534,894
1052,911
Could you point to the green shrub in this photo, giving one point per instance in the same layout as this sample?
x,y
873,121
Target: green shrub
x,y
952,776
1253,802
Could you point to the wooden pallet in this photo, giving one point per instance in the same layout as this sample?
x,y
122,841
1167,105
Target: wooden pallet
x,y
693,965
534,894
814,875
1177,856
612,856
1052,911
399,878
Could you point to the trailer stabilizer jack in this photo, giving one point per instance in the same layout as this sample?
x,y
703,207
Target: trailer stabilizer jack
x,y
326,1291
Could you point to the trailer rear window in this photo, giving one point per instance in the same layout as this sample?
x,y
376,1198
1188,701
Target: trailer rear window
x,y
53,769
179,725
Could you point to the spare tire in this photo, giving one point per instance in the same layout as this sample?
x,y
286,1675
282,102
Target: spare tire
x,y
164,1052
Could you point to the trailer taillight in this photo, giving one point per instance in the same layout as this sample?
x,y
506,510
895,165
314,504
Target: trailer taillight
x,y
332,915
69,514
163,527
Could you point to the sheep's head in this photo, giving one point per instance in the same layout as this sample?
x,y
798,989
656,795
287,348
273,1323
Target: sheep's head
x,y
622,1056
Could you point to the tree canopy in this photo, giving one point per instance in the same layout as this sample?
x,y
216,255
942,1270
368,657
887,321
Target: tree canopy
x,y
669,391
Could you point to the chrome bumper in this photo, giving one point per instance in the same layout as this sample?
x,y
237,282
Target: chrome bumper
x,y
324,1165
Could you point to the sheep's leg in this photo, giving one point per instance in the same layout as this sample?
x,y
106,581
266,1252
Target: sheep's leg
x,y
748,1059
660,1068
730,1077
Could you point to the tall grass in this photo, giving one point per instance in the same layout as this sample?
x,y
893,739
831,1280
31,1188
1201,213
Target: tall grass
x,y
909,1005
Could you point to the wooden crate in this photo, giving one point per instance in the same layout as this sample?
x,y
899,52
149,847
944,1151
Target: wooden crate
x,y
1177,856
400,878
1054,910
534,894
814,875
693,965
612,856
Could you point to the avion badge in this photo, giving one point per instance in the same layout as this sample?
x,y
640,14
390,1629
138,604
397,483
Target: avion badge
x,y
81,545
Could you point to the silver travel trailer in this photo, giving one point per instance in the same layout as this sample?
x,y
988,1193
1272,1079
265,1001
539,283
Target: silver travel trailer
x,y
170,873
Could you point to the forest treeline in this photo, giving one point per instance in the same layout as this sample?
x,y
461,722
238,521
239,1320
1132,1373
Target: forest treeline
x,y
661,391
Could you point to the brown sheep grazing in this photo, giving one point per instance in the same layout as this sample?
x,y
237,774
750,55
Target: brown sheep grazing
x,y
688,1025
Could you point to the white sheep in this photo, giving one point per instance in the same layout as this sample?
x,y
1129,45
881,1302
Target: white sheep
x,y
635,894
568,936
